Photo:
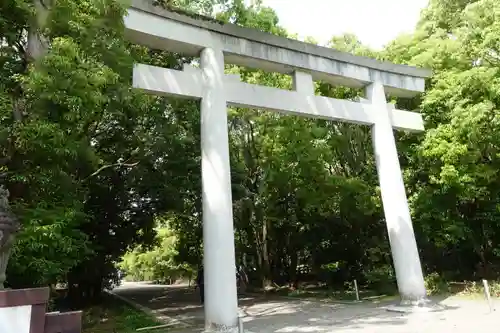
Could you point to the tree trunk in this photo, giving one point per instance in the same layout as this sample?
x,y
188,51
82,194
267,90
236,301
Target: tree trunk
x,y
37,44
266,267
294,260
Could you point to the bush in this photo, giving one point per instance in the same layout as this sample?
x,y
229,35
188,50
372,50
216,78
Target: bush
x,y
495,289
473,287
381,278
435,284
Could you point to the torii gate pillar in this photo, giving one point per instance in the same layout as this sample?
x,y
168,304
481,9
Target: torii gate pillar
x,y
397,213
221,301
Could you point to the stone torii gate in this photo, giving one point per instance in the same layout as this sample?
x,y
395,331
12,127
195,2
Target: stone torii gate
x,y
217,44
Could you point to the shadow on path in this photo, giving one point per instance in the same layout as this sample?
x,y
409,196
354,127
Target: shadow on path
x,y
275,314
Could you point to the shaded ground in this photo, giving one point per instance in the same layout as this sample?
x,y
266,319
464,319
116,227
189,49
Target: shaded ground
x,y
315,291
179,306
113,315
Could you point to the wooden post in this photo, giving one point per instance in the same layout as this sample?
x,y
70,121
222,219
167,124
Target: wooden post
x,y
487,294
356,289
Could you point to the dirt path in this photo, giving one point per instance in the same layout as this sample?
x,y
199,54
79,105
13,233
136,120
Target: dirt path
x,y
180,306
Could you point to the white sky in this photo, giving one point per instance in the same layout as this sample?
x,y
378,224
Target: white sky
x,y
375,22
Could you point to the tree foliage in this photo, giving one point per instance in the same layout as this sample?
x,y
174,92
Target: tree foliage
x,y
157,263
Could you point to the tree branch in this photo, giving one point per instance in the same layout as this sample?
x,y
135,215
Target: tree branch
x,y
127,165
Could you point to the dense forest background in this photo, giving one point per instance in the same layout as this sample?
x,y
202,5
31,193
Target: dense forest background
x,y
101,174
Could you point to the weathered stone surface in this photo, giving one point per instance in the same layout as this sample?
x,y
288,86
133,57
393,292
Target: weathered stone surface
x,y
161,29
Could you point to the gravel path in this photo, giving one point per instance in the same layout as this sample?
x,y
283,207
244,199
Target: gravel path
x,y
179,306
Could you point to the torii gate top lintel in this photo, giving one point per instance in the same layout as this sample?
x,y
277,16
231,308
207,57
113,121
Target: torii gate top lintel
x,y
158,28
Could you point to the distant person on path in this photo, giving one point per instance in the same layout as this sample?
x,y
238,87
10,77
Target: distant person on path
x,y
200,281
242,279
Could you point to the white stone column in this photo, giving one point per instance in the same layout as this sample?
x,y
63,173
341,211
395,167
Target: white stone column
x,y
397,214
221,303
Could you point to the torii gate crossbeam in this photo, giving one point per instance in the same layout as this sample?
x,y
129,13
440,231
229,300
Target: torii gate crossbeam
x,y
302,101
217,44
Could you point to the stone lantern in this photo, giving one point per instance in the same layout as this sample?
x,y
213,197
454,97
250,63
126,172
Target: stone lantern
x,y
9,226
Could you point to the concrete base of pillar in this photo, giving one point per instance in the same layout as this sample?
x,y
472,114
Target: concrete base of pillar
x,y
223,329
236,330
226,330
416,306
229,329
